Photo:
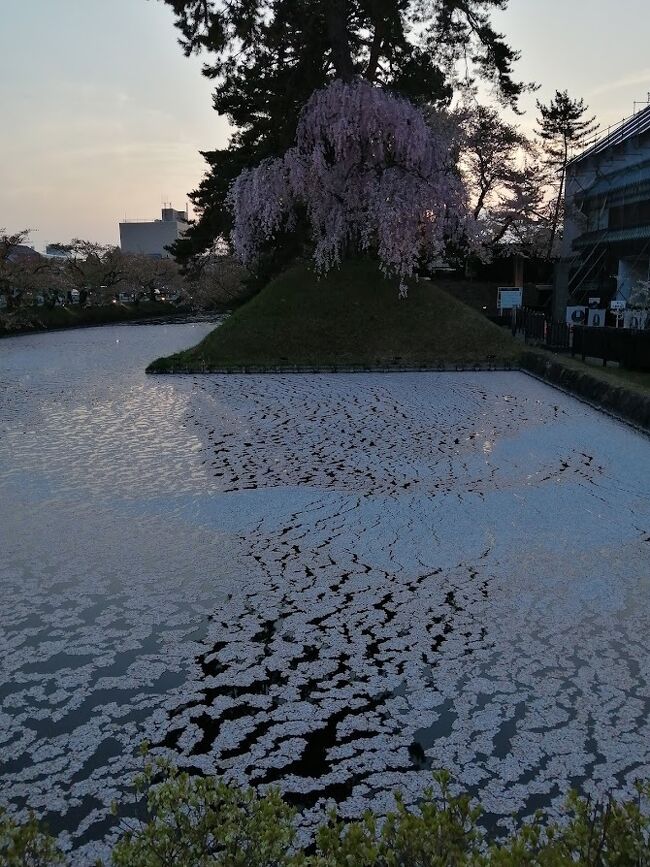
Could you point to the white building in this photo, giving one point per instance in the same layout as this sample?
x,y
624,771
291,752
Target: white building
x,y
606,241
57,251
152,237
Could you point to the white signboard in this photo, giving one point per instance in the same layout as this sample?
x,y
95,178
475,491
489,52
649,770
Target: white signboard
x,y
576,316
617,305
635,319
508,297
594,303
596,318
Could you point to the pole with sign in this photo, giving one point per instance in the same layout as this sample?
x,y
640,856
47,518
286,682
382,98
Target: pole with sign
x,y
618,308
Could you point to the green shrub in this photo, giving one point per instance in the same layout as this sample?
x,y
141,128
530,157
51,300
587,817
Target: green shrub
x,y
203,821
26,845
444,833
193,821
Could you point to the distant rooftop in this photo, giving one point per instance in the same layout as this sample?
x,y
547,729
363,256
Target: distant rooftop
x,y
636,124
168,215
20,252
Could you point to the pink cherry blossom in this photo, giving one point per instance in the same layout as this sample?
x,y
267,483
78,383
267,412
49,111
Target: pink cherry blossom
x,y
370,172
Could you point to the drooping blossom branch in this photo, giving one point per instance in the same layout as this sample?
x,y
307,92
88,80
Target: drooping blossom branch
x,y
370,172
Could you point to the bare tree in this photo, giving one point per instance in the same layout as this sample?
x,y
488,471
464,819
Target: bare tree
x,y
97,268
149,277
506,179
221,282
17,265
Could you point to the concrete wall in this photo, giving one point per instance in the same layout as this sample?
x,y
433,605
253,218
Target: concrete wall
x,y
150,238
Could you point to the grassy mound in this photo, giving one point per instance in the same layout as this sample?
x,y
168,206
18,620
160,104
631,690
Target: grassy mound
x,y
351,317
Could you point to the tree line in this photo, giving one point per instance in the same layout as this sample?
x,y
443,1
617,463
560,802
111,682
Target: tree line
x,y
101,273
270,59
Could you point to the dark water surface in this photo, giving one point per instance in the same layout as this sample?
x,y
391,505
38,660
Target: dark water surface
x,y
332,583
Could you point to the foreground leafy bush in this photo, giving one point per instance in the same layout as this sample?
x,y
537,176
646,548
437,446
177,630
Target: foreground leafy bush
x,y
444,834
194,821
26,845
201,820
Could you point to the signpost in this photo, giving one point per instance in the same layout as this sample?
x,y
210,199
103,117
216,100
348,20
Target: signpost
x,y
618,308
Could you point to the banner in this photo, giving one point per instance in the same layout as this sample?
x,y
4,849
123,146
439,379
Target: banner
x,y
635,319
576,316
596,318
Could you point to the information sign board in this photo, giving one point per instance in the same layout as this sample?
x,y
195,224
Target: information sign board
x,y
508,297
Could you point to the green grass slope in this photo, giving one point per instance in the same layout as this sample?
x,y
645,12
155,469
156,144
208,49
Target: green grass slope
x,y
351,317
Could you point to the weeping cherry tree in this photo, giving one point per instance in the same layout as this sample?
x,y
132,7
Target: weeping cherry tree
x,y
370,173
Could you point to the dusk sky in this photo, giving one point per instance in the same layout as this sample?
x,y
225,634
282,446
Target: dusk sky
x,y
103,116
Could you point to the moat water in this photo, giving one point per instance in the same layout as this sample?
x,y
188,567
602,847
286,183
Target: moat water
x,y
330,583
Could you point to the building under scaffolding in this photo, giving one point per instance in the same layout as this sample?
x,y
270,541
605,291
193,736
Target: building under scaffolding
x,y
606,242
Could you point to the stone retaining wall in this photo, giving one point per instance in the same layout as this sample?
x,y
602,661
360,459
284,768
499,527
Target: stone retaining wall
x,y
338,368
625,403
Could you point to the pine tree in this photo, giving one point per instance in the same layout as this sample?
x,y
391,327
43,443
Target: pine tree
x,y
268,56
564,130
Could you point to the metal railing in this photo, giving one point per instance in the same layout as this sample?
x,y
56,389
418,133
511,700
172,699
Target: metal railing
x,y
536,328
630,347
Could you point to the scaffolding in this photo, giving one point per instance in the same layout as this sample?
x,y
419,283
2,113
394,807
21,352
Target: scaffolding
x,y
611,200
